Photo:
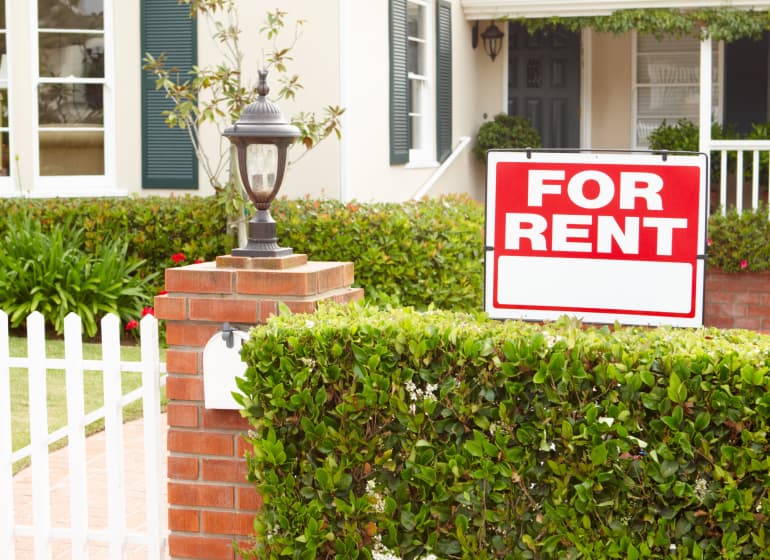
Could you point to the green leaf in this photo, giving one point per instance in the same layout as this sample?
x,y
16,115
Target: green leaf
x,y
599,454
677,391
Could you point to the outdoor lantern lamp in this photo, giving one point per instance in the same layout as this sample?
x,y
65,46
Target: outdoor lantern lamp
x,y
493,40
261,135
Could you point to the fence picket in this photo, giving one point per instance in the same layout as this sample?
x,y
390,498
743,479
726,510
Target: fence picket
x,y
6,447
113,425
37,364
76,435
38,433
150,352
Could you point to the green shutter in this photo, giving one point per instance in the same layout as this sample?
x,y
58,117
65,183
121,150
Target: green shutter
x,y
399,85
168,157
443,79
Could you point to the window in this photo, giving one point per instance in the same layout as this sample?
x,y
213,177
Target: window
x,y
57,123
420,81
667,83
71,89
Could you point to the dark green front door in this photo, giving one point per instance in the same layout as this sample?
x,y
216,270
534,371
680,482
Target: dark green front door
x,y
544,83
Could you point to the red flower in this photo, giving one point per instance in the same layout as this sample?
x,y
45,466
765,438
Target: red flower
x,y
131,325
198,261
148,311
744,264
709,242
162,292
178,257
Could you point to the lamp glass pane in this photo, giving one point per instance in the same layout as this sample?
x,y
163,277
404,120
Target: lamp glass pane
x,y
261,167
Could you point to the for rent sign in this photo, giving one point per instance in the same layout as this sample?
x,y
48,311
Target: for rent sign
x,y
603,236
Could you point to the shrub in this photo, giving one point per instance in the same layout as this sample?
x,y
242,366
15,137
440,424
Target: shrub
x,y
740,241
49,272
153,228
505,131
441,433
416,253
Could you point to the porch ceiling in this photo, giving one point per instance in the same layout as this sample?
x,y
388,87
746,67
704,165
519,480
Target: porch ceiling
x,y
498,9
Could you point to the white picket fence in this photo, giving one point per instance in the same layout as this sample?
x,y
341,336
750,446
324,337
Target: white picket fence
x,y
116,536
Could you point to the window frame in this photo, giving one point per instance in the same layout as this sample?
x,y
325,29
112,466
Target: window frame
x,y
75,185
7,181
422,147
434,133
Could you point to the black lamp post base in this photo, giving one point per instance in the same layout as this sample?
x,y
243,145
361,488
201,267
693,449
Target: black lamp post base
x,y
258,250
262,239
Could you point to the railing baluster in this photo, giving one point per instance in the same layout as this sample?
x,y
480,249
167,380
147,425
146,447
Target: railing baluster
x,y
755,182
723,183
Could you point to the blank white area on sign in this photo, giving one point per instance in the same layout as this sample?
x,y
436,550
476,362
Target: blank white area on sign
x,y
632,286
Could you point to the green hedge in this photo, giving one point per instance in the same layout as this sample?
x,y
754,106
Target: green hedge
x,y
155,228
418,434
414,254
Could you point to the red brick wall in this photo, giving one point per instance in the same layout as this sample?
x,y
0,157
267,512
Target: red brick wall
x,y
210,502
737,300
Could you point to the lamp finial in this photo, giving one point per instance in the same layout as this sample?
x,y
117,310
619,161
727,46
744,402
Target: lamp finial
x,y
262,87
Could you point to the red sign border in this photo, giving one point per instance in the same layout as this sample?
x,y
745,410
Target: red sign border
x,y
600,315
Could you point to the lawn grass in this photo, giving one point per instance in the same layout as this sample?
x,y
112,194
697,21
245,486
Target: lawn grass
x,y
56,392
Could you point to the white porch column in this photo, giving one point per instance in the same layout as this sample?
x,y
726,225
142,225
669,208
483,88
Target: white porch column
x,y
704,142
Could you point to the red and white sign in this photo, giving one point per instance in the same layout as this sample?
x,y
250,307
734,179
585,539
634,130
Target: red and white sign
x,y
603,236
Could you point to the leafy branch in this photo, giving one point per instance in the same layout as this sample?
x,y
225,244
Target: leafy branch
x,y
216,96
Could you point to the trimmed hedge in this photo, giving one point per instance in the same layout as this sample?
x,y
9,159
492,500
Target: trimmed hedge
x,y
417,434
415,254
155,228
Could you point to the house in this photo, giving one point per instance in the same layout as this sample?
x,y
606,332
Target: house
x,y
80,118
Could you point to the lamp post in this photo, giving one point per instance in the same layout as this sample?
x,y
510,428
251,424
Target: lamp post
x,y
261,136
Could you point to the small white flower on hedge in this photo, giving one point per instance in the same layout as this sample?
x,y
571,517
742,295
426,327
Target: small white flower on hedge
x,y
416,394
701,489
375,498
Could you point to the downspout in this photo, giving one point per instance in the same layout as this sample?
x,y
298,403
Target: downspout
x,y
461,145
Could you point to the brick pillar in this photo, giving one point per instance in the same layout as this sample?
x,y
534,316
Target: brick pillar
x,y
210,502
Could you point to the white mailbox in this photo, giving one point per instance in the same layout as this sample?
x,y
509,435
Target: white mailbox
x,y
221,365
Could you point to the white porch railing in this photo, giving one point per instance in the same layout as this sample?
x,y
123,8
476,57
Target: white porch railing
x,y
116,535
743,173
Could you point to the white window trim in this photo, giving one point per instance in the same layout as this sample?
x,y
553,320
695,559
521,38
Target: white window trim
x,y
77,185
8,183
425,156
717,102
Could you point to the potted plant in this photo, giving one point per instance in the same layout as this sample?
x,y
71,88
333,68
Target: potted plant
x,y
505,131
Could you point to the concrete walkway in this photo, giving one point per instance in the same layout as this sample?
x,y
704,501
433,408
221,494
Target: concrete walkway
x,y
97,493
